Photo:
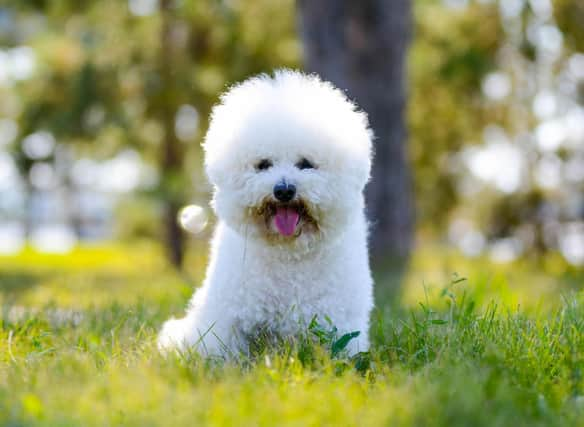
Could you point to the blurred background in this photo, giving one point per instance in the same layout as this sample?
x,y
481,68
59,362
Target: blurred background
x,y
478,107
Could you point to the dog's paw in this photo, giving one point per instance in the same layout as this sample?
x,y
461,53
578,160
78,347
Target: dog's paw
x,y
173,336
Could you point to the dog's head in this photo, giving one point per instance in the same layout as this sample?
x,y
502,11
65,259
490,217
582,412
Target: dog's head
x,y
288,157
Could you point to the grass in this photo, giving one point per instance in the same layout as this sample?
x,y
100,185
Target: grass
x,y
77,347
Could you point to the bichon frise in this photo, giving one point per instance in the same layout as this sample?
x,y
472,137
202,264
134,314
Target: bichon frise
x,y
288,158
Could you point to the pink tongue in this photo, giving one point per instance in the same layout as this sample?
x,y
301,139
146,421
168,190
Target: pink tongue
x,y
285,220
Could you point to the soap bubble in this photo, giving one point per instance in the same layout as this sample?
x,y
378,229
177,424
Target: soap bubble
x,y
193,218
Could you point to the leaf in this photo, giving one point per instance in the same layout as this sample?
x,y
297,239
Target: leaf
x,y
328,320
457,279
362,361
313,322
340,344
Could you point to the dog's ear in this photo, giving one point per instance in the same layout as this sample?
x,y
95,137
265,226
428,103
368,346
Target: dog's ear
x,y
211,171
214,147
216,174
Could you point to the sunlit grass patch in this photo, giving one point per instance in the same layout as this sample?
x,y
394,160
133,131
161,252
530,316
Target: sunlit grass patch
x,y
527,284
97,276
78,347
430,368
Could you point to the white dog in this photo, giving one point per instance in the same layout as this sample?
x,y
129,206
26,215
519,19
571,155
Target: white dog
x,y
288,157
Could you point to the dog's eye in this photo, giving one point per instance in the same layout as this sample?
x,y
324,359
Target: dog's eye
x,y
304,163
263,165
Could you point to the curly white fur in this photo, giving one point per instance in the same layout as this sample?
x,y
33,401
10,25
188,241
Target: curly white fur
x,y
257,277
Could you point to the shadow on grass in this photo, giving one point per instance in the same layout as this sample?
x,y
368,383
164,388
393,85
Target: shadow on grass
x,y
12,283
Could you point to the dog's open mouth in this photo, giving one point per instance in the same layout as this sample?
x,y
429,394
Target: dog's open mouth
x,y
286,219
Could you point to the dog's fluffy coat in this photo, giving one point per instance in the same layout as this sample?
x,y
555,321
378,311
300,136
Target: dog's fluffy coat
x,y
257,277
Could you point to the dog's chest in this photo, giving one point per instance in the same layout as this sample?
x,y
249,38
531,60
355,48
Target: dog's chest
x,y
285,302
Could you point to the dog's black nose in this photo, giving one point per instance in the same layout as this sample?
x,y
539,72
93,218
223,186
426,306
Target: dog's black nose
x,y
284,192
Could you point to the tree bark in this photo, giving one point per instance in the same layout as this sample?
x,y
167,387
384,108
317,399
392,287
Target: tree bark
x,y
171,162
361,46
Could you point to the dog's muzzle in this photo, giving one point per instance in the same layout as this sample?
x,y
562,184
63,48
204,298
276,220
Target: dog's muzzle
x,y
287,219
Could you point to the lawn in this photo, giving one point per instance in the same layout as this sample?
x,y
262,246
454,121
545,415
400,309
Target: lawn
x,y
468,343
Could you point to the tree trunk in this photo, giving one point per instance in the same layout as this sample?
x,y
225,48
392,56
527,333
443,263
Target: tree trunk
x,y
361,47
172,153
